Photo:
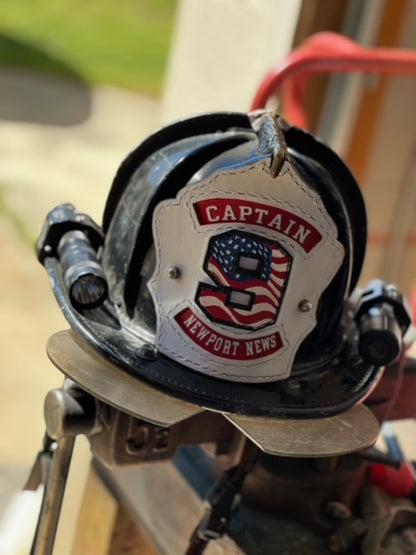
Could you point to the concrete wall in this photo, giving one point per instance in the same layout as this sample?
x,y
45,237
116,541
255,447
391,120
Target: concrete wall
x,y
221,51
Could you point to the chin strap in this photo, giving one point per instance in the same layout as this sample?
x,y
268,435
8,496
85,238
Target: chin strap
x,y
221,501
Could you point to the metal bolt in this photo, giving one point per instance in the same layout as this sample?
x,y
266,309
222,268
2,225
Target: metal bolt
x,y
69,412
305,305
293,387
147,351
392,292
174,272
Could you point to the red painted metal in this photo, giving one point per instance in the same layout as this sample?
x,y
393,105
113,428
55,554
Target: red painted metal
x,y
326,52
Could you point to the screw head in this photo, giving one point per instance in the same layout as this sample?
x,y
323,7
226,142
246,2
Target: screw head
x,y
174,272
392,292
305,305
147,351
293,387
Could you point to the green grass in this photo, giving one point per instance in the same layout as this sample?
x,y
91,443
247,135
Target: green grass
x,y
123,43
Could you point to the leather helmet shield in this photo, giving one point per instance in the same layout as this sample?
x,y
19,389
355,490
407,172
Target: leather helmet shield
x,y
242,259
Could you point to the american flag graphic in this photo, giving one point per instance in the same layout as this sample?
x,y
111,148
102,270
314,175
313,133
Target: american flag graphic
x,y
250,273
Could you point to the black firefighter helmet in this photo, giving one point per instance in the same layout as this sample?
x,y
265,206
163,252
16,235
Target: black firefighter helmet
x,y
229,249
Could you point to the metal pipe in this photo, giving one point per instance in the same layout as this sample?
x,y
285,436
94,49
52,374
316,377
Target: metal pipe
x,y
54,489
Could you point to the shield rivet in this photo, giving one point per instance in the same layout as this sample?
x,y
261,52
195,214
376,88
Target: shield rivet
x,y
305,305
174,272
147,352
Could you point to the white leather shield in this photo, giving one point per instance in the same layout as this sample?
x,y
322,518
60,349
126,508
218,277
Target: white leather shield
x,y
242,259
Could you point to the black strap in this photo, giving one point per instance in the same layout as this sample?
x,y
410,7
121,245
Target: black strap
x,y
221,503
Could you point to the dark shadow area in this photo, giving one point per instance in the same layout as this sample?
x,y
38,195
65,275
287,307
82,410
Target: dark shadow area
x,y
38,88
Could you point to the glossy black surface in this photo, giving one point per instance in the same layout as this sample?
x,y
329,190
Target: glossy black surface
x,y
328,376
